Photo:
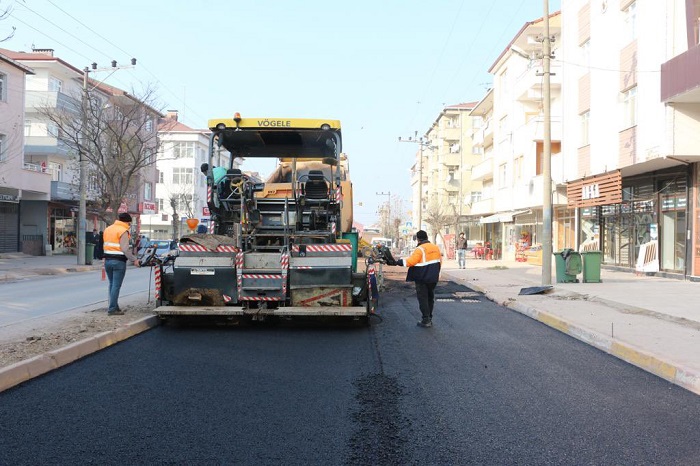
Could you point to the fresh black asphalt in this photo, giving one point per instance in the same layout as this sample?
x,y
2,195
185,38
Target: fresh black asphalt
x,y
485,385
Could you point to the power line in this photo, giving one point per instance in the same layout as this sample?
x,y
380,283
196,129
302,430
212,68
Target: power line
x,y
141,65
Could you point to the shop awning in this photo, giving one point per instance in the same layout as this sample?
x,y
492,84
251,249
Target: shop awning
x,y
503,217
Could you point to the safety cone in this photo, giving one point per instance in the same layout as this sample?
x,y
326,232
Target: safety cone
x,y
104,274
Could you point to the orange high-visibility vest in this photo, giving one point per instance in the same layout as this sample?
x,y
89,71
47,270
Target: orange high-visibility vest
x,y
112,234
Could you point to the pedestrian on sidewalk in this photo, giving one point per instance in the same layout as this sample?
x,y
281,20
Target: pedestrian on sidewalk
x,y
462,251
99,252
117,252
424,269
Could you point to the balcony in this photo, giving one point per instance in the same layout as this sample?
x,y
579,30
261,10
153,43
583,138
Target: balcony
x,y
451,160
680,77
535,129
482,207
35,179
528,87
44,145
483,171
38,100
62,191
451,134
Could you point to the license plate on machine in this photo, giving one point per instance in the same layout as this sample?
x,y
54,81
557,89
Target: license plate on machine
x,y
200,271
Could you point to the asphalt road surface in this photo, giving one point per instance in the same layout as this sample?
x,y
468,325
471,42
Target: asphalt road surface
x,y
30,299
484,386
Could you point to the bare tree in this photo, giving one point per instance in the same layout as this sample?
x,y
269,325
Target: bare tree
x,y
437,215
182,201
116,135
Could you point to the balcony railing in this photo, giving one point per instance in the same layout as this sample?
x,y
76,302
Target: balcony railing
x,y
62,191
483,171
37,100
44,145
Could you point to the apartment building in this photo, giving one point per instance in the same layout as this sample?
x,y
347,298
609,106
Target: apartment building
x,y
181,191
510,139
632,119
448,189
23,187
52,206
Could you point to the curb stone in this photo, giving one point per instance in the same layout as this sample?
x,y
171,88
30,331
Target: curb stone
x,y
22,371
669,371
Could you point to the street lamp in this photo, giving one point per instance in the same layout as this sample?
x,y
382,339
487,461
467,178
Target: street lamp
x,y
422,144
82,165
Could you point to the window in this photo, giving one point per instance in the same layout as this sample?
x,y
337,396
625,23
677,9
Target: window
x,y
161,177
182,175
160,204
148,155
52,129
502,175
183,150
630,15
476,150
475,196
629,108
585,54
518,168
27,128
184,203
55,84
3,87
584,120
147,191
149,125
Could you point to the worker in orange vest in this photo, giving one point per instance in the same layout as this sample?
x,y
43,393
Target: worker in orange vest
x,y
424,269
117,253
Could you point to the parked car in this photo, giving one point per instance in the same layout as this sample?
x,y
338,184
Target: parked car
x,y
163,246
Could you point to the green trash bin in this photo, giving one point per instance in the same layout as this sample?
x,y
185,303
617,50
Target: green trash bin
x,y
89,252
591,266
568,265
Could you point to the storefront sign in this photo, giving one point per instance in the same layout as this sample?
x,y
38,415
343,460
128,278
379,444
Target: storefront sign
x,y
148,208
598,190
8,198
205,211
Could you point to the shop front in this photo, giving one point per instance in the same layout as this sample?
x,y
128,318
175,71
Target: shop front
x,y
645,229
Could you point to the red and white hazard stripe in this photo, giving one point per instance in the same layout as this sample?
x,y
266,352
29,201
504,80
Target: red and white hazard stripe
x,y
338,194
157,280
227,298
249,276
194,247
261,298
325,247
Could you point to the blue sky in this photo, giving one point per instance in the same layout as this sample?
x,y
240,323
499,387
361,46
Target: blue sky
x,y
385,69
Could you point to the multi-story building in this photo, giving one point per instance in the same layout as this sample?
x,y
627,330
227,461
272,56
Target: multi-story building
x,y
57,86
24,187
510,137
448,189
632,119
181,191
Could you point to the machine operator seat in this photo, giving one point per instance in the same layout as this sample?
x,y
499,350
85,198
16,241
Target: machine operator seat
x,y
316,187
226,190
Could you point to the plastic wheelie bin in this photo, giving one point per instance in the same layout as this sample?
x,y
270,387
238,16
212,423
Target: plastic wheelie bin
x,y
591,266
89,252
568,265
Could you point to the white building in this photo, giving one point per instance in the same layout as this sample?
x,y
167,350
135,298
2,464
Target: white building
x,y
181,191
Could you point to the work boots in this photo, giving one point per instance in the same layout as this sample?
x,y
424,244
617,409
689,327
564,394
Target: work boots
x,y
425,323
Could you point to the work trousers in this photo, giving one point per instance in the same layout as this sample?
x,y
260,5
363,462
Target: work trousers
x,y
115,270
426,298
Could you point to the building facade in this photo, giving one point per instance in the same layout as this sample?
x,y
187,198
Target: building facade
x,y
632,115
24,187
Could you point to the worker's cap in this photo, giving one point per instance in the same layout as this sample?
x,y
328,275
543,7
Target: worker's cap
x,y
421,235
125,217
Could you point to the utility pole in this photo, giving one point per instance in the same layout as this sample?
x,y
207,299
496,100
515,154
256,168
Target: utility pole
x,y
82,161
422,144
389,208
546,154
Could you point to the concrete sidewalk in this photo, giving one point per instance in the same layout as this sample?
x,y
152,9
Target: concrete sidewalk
x,y
18,266
651,322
